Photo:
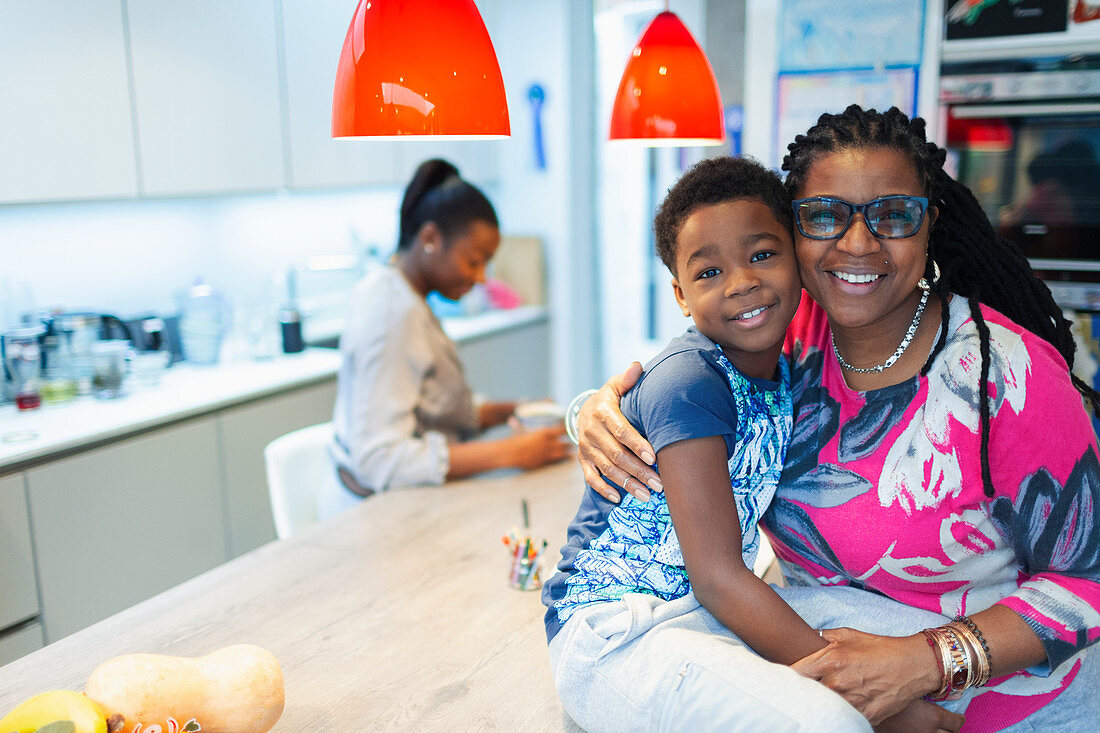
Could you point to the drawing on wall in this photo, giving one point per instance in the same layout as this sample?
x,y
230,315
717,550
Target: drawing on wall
x,y
996,18
802,98
850,34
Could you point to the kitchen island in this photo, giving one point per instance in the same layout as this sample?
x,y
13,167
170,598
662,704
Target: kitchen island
x,y
395,615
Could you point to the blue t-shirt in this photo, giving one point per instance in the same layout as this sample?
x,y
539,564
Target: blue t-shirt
x,y
689,390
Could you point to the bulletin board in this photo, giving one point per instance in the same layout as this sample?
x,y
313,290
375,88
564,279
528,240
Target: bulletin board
x,y
801,98
833,53
820,35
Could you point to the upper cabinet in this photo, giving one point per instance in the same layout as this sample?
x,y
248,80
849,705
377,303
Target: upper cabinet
x,y
313,34
111,99
66,130
206,96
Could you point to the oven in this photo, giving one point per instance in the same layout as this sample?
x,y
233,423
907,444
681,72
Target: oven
x,y
1024,136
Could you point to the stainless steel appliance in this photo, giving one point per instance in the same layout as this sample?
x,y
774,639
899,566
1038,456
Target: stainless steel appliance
x,y
1024,135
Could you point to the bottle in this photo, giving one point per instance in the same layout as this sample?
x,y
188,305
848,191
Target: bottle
x,y
290,318
290,324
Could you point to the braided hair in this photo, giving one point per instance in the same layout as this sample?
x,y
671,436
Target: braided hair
x,y
975,261
438,194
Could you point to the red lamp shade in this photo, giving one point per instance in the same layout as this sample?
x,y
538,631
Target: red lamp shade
x,y
418,68
668,94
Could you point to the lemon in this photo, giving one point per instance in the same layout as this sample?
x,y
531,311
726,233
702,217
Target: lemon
x,y
53,706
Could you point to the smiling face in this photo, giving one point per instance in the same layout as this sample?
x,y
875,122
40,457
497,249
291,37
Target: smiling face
x,y
858,279
458,264
737,278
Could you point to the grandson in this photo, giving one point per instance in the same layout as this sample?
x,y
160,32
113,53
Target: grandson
x,y
629,645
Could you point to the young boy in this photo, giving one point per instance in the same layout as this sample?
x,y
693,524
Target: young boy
x,y
629,645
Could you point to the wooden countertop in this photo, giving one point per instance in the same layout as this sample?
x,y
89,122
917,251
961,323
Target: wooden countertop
x,y
394,615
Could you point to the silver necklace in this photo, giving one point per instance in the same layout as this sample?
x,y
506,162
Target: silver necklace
x,y
901,347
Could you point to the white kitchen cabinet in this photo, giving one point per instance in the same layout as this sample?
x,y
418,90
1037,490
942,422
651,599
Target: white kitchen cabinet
x,y
313,32
245,431
66,130
478,161
511,364
19,599
20,642
118,524
206,96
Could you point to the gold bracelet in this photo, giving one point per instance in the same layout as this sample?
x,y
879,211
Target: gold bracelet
x,y
944,662
933,642
982,672
960,672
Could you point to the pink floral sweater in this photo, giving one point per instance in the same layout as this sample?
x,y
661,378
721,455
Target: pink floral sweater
x,y
882,490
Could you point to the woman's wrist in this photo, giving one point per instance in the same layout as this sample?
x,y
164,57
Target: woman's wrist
x,y
928,668
573,412
961,656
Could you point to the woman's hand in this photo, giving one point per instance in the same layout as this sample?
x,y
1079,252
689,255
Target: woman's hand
x,y
877,675
919,716
533,448
611,447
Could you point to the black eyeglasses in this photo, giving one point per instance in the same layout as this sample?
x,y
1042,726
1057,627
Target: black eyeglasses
x,y
888,217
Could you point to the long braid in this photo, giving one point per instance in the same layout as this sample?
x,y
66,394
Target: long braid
x,y
983,394
974,260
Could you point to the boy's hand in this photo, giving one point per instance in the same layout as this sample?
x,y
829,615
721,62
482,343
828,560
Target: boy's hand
x,y
611,447
922,715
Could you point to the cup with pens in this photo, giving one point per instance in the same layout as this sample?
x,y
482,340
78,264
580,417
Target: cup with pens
x,y
525,568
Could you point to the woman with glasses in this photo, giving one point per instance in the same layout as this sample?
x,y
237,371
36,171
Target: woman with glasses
x,y
942,455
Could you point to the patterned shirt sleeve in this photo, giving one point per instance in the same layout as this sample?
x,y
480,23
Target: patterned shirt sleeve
x,y
1046,476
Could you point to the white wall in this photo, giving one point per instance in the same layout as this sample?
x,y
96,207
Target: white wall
x,y
551,42
128,257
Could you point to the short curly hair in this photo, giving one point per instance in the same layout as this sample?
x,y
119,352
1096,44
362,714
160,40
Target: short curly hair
x,y
714,181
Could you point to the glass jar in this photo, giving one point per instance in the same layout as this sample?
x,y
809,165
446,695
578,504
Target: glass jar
x,y
23,359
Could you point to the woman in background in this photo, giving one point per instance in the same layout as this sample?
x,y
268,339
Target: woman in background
x,y
404,412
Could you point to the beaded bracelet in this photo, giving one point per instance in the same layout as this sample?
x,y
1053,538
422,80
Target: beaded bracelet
x,y
969,622
962,657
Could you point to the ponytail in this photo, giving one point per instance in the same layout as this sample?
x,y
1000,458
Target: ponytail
x,y
438,194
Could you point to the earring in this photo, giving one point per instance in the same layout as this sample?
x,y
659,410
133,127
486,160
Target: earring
x,y
923,283
429,248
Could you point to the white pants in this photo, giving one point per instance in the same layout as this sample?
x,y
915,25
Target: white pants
x,y
646,664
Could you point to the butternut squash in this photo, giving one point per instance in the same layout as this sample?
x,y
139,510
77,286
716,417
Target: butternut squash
x,y
238,689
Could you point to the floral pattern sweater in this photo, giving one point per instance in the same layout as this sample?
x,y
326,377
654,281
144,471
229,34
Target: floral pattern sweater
x,y
882,490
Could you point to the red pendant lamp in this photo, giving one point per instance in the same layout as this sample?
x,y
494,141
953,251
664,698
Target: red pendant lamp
x,y
668,94
418,68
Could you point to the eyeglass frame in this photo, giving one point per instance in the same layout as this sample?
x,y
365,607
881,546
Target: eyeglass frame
x,y
859,209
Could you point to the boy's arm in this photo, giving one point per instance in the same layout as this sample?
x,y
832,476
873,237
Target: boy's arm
x,y
700,501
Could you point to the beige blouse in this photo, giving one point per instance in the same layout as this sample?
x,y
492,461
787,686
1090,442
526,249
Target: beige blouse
x,y
401,391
